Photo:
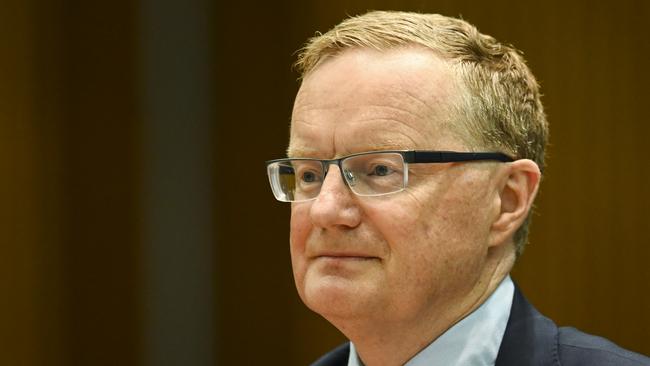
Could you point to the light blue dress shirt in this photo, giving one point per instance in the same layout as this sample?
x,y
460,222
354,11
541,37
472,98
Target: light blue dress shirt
x,y
474,341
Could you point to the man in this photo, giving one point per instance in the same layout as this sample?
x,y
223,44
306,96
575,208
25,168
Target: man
x,y
415,155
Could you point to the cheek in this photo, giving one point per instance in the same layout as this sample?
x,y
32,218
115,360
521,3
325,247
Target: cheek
x,y
408,223
431,237
419,260
299,232
410,237
458,212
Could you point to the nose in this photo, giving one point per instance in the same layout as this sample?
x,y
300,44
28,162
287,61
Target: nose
x,y
336,206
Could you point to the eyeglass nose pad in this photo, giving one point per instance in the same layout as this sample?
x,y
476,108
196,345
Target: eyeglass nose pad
x,y
349,177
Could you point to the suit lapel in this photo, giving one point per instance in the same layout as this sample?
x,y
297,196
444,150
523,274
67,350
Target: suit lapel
x,y
530,338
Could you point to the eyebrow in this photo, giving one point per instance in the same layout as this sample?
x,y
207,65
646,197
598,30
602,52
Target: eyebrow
x,y
299,152
305,152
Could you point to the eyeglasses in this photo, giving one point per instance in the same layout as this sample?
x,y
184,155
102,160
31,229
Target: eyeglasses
x,y
375,173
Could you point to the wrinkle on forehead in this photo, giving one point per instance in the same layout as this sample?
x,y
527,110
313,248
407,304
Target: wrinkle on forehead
x,y
386,139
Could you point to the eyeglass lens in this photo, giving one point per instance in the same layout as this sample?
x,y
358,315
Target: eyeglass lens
x,y
366,174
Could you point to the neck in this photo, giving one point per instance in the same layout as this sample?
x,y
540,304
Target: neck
x,y
385,342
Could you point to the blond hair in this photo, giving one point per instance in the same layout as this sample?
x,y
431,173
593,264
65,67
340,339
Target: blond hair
x,y
501,107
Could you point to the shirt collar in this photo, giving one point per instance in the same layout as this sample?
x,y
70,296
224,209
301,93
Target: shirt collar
x,y
473,341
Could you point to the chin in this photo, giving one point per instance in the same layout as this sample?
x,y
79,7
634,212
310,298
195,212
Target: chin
x,y
335,297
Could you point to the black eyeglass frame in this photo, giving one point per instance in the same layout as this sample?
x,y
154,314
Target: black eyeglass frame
x,y
416,157
409,157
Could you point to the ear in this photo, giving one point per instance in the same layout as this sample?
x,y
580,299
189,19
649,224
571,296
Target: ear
x,y
518,187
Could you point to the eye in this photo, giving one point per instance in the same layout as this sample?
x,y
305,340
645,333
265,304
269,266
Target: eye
x,y
308,177
381,170
307,172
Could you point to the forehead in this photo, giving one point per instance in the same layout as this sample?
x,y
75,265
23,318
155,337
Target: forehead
x,y
362,100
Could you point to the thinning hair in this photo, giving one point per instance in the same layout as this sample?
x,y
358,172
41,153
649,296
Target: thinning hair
x,y
500,108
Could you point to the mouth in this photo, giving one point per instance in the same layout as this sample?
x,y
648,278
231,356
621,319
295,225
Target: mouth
x,y
345,257
343,264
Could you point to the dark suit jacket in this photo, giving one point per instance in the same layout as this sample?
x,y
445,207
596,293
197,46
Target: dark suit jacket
x,y
531,339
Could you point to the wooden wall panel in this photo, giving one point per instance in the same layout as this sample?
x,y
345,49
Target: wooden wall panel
x,y
18,190
69,160
101,183
255,293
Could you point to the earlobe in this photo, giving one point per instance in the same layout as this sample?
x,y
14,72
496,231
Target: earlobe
x,y
517,192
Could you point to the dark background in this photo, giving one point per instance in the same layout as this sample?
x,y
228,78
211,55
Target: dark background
x,y
136,224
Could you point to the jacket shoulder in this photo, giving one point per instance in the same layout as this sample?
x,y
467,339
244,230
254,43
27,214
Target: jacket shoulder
x,y
533,339
578,348
336,357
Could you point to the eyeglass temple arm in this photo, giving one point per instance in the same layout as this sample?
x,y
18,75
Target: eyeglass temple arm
x,y
453,156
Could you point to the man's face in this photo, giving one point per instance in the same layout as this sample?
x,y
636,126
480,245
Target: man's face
x,y
403,256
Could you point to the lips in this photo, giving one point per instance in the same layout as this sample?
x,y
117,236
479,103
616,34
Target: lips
x,y
344,256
